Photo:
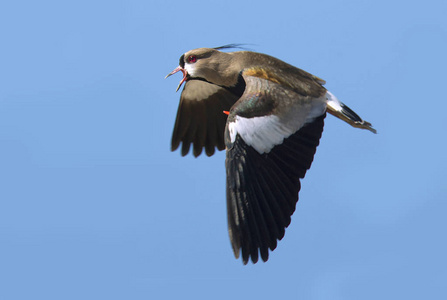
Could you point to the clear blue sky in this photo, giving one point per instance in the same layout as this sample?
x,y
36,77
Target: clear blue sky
x,y
93,205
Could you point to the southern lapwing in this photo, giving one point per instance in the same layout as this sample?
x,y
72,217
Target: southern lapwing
x,y
269,116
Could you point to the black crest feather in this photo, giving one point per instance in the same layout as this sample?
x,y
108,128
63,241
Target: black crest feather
x,y
232,46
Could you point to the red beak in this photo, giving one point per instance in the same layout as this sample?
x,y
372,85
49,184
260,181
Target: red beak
x,y
184,76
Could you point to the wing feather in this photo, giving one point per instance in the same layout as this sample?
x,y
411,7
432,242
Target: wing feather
x,y
200,119
263,186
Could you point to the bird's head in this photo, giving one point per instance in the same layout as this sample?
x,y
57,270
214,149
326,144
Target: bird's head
x,y
207,64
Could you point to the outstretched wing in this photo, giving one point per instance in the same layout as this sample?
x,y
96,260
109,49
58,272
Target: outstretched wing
x,y
200,119
271,137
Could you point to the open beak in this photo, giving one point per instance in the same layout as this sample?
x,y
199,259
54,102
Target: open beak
x,y
184,76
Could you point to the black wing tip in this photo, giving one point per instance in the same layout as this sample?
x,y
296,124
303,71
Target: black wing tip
x,y
185,148
254,258
209,151
197,151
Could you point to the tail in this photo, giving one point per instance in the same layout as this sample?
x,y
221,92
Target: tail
x,y
341,111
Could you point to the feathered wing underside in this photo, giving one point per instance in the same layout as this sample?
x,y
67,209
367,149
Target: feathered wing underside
x,y
269,148
262,189
200,119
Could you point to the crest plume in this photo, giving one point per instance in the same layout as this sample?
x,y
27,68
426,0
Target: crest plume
x,y
232,46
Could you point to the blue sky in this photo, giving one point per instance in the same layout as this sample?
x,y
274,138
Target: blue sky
x,y
93,205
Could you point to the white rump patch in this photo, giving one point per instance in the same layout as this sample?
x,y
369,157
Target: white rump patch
x,y
333,102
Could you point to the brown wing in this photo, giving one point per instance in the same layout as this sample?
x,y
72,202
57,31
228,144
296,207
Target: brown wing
x,y
275,70
200,119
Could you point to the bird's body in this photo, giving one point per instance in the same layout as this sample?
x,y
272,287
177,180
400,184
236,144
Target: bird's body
x,y
275,120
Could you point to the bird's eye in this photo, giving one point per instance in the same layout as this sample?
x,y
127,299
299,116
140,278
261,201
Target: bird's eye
x,y
192,59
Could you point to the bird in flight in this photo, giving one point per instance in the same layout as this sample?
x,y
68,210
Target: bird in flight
x,y
269,116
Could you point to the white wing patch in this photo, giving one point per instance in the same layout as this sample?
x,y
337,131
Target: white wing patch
x,y
265,132
262,133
